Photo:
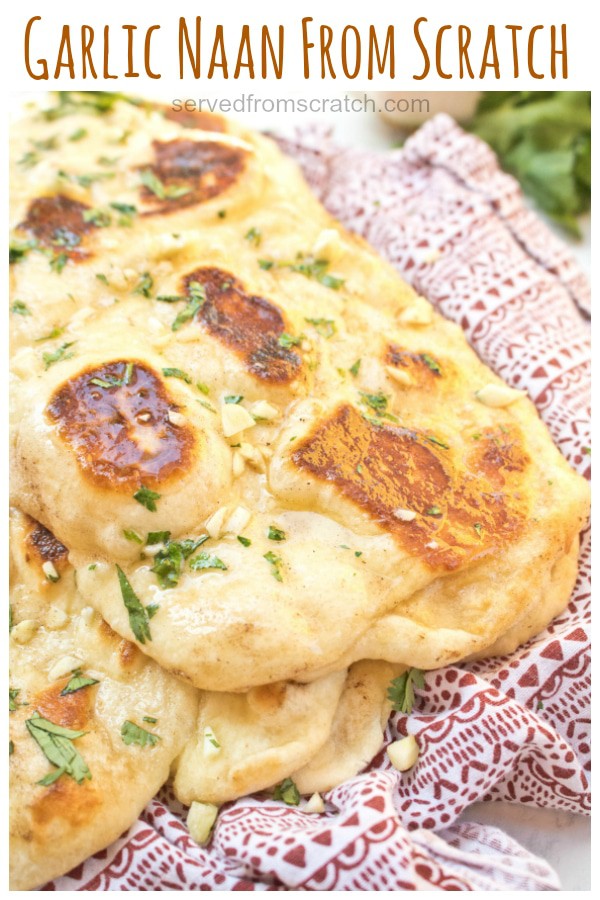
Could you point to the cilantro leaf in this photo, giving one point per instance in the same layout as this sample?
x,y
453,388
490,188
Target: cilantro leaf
x,y
197,298
77,682
168,562
20,308
287,791
138,615
58,355
147,498
275,562
170,372
401,690
163,191
133,734
206,561
56,744
325,327
275,534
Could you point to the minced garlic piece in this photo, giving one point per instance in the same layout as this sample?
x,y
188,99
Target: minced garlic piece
x,y
235,418
403,754
238,520
498,395
416,315
328,244
63,666
215,524
24,631
405,515
200,820
49,570
264,410
399,375
314,804
175,418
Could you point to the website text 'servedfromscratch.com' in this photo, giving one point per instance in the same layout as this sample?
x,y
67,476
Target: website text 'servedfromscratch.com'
x,y
250,103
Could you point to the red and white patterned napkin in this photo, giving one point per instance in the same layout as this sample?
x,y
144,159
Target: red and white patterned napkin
x,y
513,728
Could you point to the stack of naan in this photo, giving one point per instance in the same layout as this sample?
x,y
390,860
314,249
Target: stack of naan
x,y
255,478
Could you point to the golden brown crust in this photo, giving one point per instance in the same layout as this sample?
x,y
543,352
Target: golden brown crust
x,y
121,432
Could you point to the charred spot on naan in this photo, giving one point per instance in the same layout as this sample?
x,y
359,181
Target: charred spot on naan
x,y
74,710
498,454
128,653
42,546
251,326
190,172
195,118
58,223
115,418
65,799
423,369
414,486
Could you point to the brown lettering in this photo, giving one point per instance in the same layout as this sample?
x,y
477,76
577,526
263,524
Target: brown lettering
x,y
532,71
193,53
42,62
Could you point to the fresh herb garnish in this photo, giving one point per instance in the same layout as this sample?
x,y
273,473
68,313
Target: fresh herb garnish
x,y
478,528
58,355
433,511
20,308
160,190
132,535
98,217
13,705
56,744
77,682
19,249
275,562
147,498
170,372
288,340
254,236
206,561
144,285
401,691
78,134
378,402
287,791
244,541
275,534
354,368
431,363
169,561
325,327
437,442
150,719
133,734
197,298
233,398
138,614
127,211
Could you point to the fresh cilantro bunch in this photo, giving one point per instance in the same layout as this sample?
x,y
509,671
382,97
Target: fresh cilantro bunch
x,y
544,139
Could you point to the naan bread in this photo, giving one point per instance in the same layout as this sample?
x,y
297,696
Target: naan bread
x,y
422,503
54,827
278,472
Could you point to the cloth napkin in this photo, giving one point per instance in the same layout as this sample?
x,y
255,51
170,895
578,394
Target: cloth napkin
x,y
515,728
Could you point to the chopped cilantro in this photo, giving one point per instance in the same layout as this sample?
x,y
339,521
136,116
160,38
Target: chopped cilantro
x,y
437,442
197,298
138,614
354,368
58,261
150,719
19,249
431,363
203,388
206,561
378,402
478,528
98,217
133,734
20,308
147,498
102,277
244,541
275,562
287,340
275,534
433,511
160,190
58,355
13,704
266,264
77,682
169,560
127,211
401,690
144,285
254,236
56,743
287,791
234,399
177,373
132,535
